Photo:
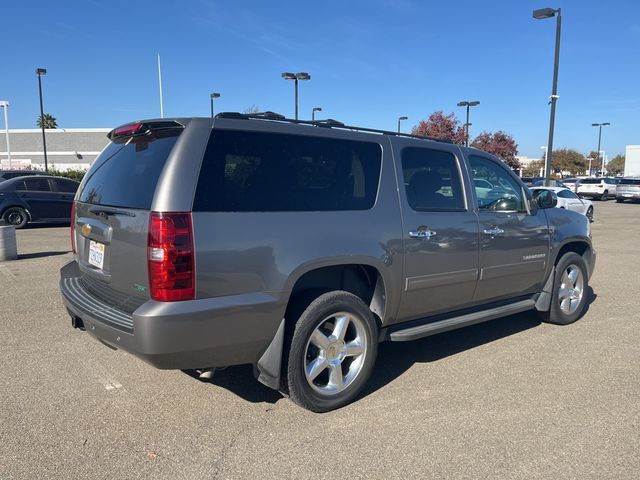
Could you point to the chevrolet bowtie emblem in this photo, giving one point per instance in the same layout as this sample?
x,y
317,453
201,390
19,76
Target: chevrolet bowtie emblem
x,y
86,230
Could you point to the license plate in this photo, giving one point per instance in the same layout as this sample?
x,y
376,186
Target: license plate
x,y
96,254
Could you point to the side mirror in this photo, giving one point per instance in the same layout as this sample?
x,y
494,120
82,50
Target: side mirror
x,y
545,198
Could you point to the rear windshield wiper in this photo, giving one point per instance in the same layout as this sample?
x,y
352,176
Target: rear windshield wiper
x,y
105,212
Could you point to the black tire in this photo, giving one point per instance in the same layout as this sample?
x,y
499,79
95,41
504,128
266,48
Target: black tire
x,y
556,314
605,196
619,200
589,214
298,358
15,216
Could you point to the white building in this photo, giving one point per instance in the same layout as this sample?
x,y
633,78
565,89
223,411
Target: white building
x,y
632,161
67,148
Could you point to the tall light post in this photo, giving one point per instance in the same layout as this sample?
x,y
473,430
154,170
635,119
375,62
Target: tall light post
x,y
399,120
604,159
541,14
599,125
295,77
544,147
467,124
5,105
40,72
313,113
212,96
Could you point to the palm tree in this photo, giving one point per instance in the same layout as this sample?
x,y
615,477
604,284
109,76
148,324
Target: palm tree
x,y
48,120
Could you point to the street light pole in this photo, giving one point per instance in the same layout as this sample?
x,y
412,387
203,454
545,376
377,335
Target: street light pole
x,y
467,124
212,96
5,104
539,15
313,113
399,120
599,125
295,77
40,72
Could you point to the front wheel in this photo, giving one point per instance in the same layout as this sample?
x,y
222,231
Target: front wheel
x,y
570,289
332,352
589,214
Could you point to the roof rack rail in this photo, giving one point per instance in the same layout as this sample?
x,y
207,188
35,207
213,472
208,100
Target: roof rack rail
x,y
327,123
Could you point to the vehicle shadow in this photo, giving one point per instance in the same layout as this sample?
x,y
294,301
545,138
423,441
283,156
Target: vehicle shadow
x,y
240,381
27,256
394,358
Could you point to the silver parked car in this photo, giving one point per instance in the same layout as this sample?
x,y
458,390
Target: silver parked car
x,y
569,200
298,246
628,189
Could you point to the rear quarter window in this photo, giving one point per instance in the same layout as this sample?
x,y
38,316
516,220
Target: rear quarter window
x,y
268,172
127,171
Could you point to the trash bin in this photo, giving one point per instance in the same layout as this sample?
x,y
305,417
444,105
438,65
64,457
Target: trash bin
x,y
8,244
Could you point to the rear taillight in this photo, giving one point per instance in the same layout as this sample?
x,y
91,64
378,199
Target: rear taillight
x,y
73,229
170,257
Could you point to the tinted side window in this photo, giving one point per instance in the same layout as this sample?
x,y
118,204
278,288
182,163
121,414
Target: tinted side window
x,y
262,172
65,186
432,180
505,193
37,184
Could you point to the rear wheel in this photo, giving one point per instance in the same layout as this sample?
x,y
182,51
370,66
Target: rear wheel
x,y
569,290
16,216
605,196
332,352
619,200
589,214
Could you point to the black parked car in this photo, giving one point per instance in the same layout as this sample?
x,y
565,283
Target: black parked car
x,y
36,199
9,174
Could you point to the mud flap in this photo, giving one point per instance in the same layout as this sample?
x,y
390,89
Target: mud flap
x,y
267,370
543,304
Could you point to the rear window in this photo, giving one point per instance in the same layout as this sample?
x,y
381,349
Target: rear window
x,y
262,172
630,181
37,184
127,171
590,181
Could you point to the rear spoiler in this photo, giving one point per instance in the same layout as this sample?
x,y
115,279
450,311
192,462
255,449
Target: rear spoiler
x,y
140,128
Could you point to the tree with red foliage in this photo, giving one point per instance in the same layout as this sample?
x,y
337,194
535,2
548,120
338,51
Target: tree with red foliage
x,y
500,144
439,125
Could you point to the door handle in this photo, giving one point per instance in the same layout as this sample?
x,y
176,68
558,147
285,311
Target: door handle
x,y
493,231
422,232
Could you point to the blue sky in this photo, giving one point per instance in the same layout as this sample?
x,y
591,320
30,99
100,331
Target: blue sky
x,y
370,62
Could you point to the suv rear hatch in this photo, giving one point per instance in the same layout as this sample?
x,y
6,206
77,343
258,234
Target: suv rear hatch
x,y
591,185
110,226
629,187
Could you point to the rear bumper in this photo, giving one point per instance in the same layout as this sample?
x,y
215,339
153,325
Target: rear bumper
x,y
592,194
628,195
212,332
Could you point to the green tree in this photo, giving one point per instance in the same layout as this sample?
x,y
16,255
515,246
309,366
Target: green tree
x,y
533,168
568,160
615,165
48,120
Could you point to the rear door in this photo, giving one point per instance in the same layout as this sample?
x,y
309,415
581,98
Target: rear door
x,y
38,195
573,202
63,193
112,216
440,231
514,240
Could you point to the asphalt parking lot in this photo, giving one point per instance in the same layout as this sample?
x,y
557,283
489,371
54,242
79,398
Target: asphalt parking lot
x,y
510,399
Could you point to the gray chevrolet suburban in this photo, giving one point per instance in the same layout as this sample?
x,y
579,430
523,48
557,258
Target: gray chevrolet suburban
x,y
298,246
